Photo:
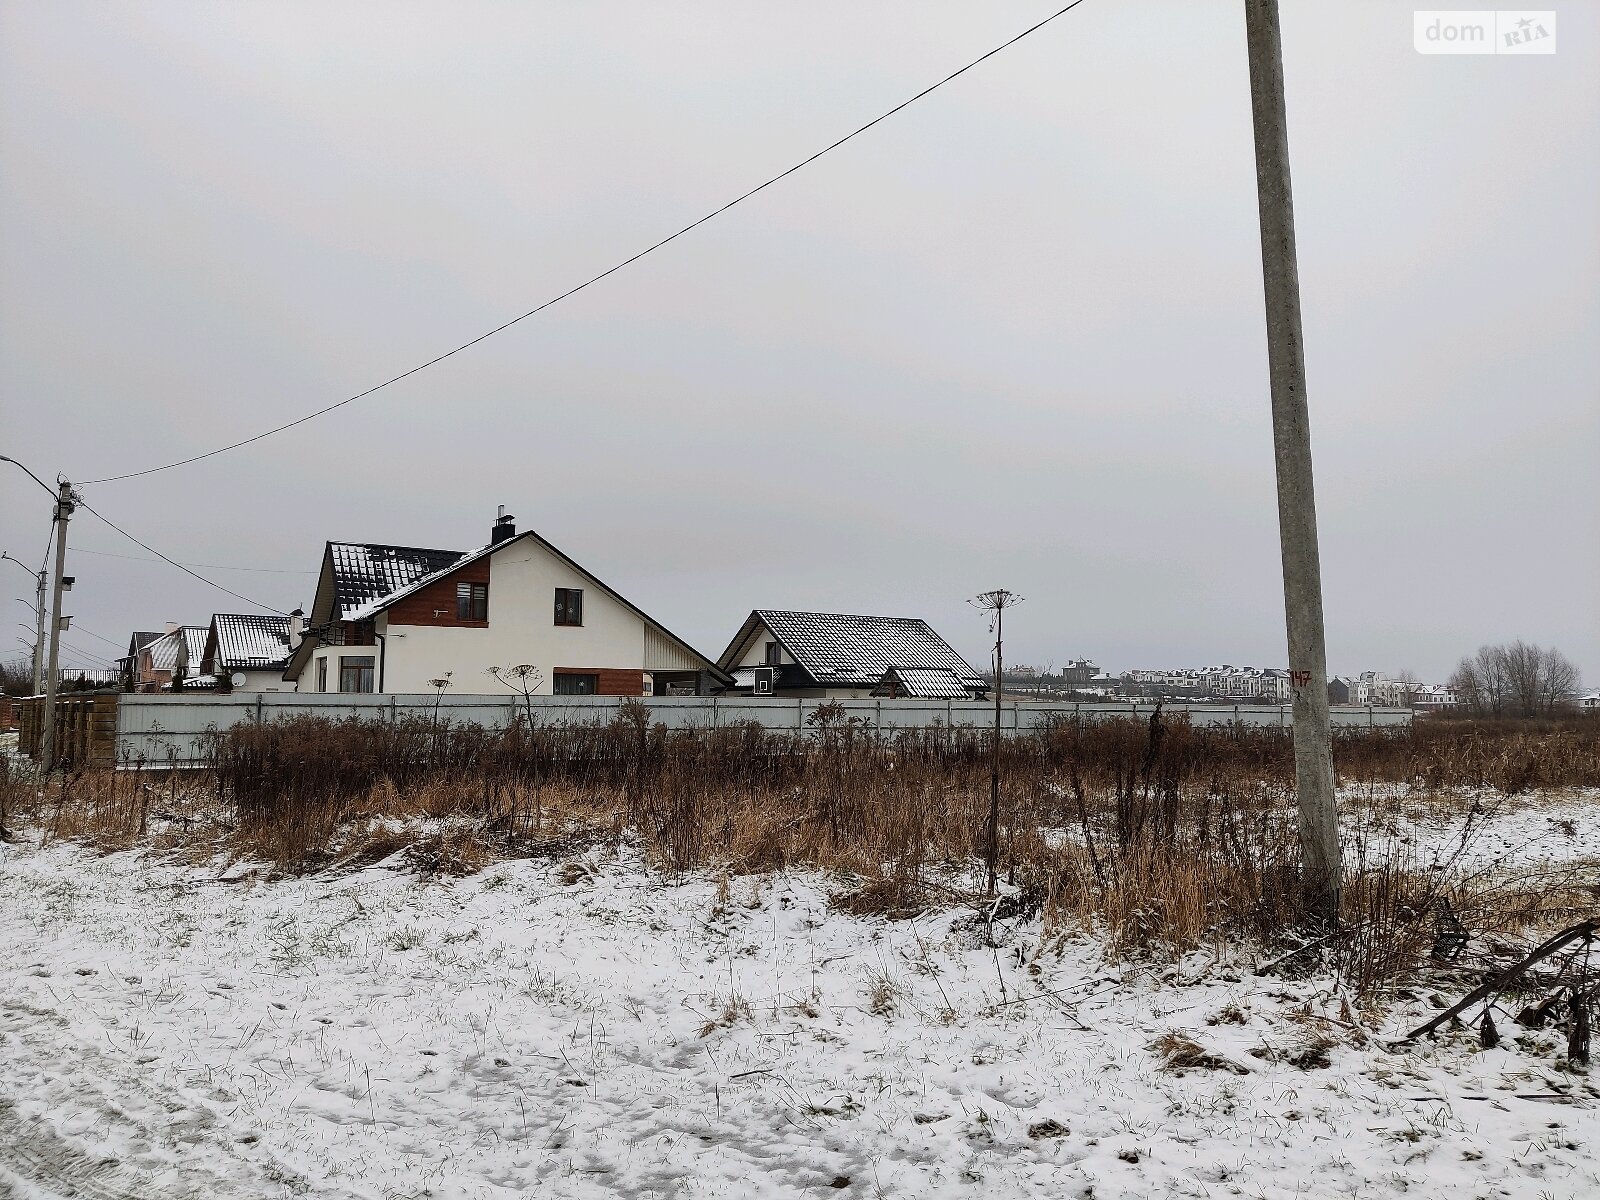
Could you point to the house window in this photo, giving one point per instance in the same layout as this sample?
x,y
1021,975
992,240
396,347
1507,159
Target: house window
x,y
574,684
356,672
774,655
569,611
472,601
322,674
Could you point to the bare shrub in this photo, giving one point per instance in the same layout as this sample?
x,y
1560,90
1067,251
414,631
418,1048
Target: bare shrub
x,y
1157,836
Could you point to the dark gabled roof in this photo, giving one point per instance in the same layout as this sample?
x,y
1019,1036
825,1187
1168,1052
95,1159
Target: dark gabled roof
x,y
139,641
364,572
924,683
244,640
844,650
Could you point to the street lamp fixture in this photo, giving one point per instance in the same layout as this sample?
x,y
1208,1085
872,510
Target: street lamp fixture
x,y
30,474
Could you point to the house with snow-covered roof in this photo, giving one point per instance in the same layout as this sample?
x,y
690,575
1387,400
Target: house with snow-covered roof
x,y
165,660
188,655
247,652
923,683
394,618
128,665
842,656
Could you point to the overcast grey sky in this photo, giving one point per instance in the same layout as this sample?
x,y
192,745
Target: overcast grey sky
x,y
1011,337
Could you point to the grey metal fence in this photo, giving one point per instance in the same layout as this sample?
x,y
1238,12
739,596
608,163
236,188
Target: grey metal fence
x,y
173,730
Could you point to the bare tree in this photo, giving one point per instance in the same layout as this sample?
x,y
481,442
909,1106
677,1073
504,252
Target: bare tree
x,y
1514,679
16,678
1558,679
1410,687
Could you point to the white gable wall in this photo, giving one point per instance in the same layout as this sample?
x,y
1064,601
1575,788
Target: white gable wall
x,y
523,579
756,654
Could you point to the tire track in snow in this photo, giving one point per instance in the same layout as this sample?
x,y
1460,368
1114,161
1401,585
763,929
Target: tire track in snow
x,y
38,1163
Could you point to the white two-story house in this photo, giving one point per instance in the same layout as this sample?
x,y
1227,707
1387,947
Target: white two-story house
x,y
395,618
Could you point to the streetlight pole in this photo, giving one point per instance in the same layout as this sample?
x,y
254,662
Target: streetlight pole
x,y
38,640
995,603
64,509
1321,869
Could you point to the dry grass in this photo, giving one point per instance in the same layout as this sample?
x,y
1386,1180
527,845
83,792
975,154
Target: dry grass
x,y
1156,836
732,1010
884,993
1179,1052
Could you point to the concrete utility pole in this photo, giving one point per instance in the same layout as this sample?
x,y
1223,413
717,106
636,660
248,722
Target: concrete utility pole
x,y
1322,871
64,510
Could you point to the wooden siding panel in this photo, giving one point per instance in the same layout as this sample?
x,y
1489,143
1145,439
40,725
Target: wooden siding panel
x,y
661,653
614,681
440,596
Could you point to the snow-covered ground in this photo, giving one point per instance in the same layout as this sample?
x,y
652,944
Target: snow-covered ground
x,y
1471,830
582,1029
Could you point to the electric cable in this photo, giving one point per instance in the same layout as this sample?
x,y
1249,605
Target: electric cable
x,y
716,212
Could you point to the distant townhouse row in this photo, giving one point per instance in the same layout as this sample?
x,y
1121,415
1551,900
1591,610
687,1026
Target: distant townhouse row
x,y
1240,683
1369,688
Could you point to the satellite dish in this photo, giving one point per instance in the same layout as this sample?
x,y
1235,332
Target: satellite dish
x,y
238,679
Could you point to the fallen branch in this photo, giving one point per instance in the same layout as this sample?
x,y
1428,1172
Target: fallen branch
x,y
1583,931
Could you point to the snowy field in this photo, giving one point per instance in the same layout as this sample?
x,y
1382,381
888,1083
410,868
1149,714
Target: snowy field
x,y
1470,830
582,1029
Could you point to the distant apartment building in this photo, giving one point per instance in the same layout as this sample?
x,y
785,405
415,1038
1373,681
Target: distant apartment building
x,y
1225,682
1271,684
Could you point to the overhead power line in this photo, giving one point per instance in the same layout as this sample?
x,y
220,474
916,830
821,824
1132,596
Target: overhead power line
x,y
77,651
172,562
91,656
716,212
77,628
207,566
